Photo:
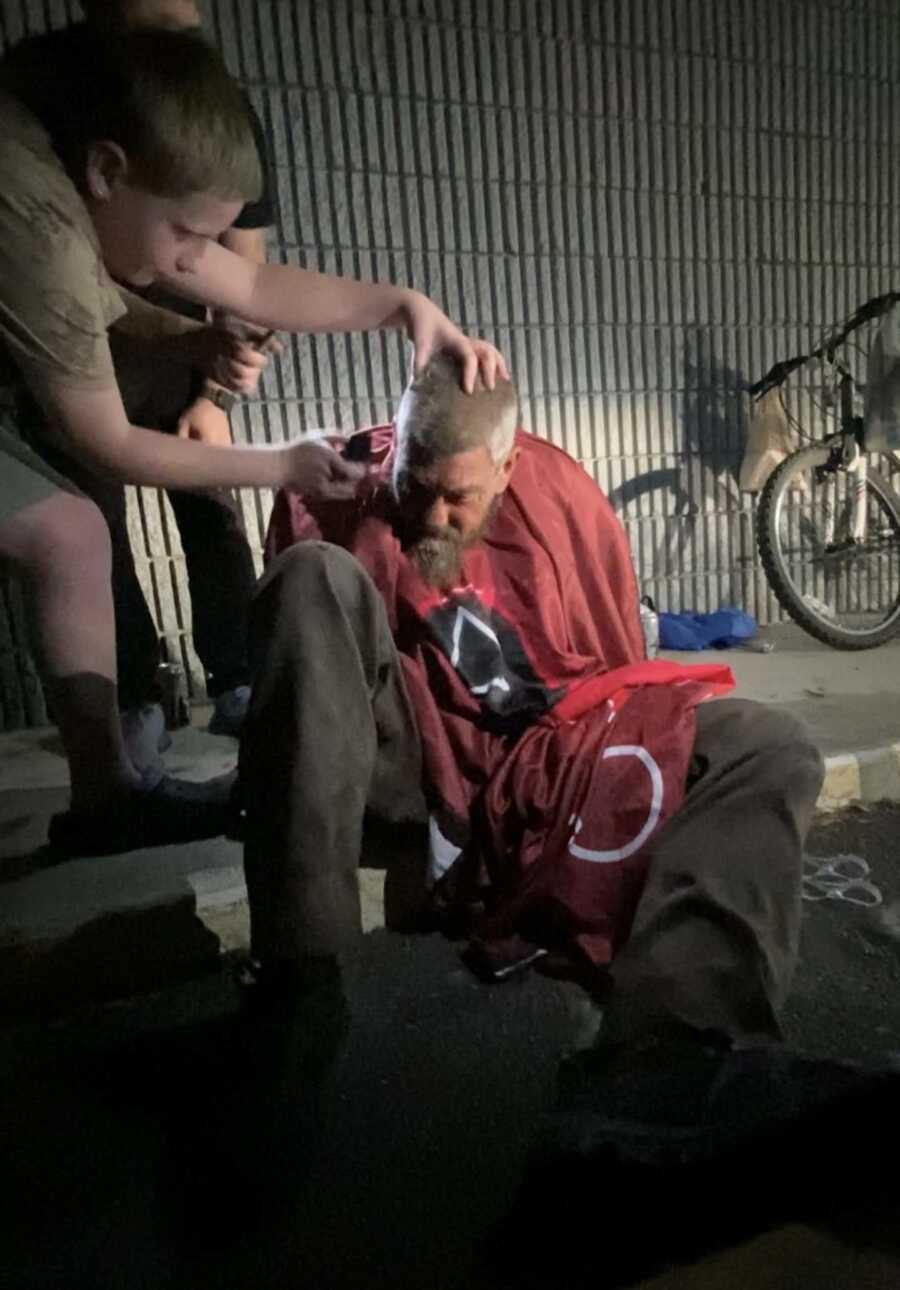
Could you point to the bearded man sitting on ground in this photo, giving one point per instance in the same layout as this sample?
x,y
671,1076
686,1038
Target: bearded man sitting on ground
x,y
460,645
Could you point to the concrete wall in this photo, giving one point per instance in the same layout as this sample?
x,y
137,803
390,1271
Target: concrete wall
x,y
644,202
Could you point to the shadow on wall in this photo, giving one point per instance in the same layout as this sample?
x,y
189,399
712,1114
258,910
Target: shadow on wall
x,y
21,696
691,527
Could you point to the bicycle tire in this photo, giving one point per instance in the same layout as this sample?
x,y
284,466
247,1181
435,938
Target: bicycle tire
x,y
799,604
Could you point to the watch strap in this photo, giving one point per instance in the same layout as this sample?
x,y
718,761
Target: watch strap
x,y
221,398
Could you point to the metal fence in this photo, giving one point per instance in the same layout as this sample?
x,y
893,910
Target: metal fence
x,y
644,202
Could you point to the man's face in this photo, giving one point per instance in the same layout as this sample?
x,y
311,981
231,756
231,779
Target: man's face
x,y
447,506
142,236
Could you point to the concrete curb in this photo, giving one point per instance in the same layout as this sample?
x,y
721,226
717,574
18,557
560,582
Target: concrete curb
x,y
112,927
96,930
223,888
872,775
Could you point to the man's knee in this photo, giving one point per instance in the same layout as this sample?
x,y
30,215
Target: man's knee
x,y
308,569
779,744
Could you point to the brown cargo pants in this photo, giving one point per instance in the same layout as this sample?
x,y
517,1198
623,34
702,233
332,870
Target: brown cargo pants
x,y
331,736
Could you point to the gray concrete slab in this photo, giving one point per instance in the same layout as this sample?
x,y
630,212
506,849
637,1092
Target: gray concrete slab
x,y
850,701
104,928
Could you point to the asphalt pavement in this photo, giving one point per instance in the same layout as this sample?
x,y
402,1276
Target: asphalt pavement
x,y
125,1164
846,998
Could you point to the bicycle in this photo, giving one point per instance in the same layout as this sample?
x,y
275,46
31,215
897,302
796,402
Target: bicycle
x,y
828,520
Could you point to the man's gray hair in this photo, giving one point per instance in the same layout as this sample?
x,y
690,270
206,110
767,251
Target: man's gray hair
x,y
439,419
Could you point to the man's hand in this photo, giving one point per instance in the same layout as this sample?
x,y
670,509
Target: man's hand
x,y
316,471
203,421
431,332
232,361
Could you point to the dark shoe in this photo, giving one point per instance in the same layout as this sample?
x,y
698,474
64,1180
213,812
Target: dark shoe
x,y
659,1156
276,1094
172,811
230,711
687,1103
245,1091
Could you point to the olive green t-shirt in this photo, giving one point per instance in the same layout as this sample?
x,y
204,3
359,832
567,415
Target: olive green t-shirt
x,y
56,299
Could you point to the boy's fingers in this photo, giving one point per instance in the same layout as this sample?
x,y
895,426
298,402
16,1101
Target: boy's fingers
x,y
488,369
351,471
340,489
269,344
421,355
470,371
249,356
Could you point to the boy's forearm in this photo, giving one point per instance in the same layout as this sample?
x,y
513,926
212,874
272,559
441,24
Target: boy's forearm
x,y
141,458
286,298
250,244
247,242
316,303
90,425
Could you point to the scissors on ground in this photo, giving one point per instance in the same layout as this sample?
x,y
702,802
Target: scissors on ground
x,y
843,877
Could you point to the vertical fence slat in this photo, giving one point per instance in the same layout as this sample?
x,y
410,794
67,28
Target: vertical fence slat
x,y
645,202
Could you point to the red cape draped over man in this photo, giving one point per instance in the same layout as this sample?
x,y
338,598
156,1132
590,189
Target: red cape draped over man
x,y
553,751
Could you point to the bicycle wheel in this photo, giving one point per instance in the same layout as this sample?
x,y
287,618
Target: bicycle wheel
x,y
844,593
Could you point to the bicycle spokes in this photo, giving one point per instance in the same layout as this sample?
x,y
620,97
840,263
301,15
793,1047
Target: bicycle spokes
x,y
839,547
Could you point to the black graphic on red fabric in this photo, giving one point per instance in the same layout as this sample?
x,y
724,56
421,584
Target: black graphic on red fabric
x,y
487,654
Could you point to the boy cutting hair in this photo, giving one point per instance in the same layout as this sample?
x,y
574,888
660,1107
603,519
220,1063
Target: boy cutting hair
x,y
128,162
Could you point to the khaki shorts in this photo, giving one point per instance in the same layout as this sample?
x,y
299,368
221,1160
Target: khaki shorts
x,y
25,478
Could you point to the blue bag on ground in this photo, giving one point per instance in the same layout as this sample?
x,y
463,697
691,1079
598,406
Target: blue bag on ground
x,y
721,630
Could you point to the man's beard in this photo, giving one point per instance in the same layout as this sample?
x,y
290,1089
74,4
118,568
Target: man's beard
x,y
438,553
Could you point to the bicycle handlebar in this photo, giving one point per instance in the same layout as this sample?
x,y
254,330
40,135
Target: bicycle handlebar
x,y
775,375
782,370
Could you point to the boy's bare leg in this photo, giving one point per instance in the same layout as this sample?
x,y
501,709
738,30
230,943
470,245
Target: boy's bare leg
x,y
60,548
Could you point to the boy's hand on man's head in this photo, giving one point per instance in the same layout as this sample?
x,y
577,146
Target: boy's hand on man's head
x,y
432,332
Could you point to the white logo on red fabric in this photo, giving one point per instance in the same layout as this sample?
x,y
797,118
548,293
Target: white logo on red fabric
x,y
464,616
656,783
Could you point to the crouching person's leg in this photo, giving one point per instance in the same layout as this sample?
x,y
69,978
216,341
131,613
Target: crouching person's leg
x,y
329,727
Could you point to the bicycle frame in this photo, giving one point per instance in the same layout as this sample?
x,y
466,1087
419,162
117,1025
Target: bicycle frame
x,y
848,455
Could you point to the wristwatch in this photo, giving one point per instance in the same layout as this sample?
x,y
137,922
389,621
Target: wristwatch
x,y
221,398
